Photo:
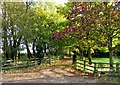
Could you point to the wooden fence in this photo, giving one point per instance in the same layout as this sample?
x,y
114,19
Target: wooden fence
x,y
10,64
98,67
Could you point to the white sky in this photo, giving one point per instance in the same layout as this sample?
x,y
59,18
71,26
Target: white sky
x,y
57,1
60,1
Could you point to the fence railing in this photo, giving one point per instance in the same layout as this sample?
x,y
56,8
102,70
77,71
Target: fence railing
x,y
10,64
97,67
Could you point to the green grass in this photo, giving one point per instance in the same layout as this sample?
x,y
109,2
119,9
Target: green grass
x,y
23,57
99,65
105,60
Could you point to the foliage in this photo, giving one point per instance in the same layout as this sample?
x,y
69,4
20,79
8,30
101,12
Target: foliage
x,y
93,24
27,24
50,29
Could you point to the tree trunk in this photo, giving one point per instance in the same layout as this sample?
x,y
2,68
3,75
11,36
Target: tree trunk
x,y
110,52
11,52
89,55
33,48
4,26
18,46
39,54
28,50
6,54
82,54
15,49
18,55
5,46
74,57
49,59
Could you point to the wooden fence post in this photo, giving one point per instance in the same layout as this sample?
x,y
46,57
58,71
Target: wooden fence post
x,y
84,64
95,69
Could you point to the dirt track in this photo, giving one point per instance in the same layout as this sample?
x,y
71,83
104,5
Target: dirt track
x,y
60,72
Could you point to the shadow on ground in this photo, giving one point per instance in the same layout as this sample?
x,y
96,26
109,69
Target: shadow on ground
x,y
59,72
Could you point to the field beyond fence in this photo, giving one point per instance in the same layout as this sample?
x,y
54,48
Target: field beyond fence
x,y
98,67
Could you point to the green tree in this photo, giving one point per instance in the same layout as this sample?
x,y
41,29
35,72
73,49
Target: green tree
x,y
110,26
11,13
95,25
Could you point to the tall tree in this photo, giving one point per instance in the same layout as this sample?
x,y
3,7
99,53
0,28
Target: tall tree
x,y
11,14
95,24
110,26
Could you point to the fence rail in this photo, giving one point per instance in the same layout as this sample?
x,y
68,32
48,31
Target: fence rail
x,y
10,64
97,67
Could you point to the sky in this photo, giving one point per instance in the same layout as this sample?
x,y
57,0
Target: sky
x,y
60,1
57,1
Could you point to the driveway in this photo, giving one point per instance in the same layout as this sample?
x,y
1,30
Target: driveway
x,y
59,72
